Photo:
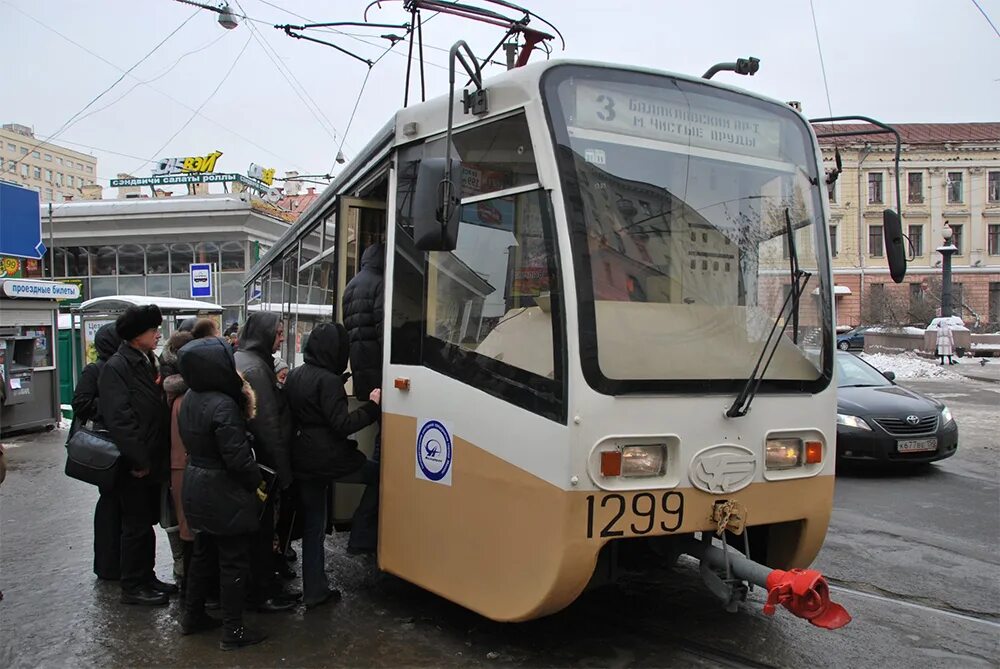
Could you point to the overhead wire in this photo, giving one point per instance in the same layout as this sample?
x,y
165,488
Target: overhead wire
x,y
297,87
126,73
151,80
224,126
822,64
198,110
986,16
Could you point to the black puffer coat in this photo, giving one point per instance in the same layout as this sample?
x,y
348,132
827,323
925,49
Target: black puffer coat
x,y
221,475
272,428
320,447
363,315
134,409
85,403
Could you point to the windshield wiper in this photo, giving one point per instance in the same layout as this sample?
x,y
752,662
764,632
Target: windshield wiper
x,y
741,405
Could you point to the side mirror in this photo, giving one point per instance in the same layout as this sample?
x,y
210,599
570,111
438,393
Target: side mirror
x,y
436,205
890,376
895,246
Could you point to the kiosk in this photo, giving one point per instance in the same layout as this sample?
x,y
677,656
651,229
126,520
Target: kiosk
x,y
29,392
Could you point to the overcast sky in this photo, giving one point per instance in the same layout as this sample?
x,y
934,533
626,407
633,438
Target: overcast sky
x,y
896,60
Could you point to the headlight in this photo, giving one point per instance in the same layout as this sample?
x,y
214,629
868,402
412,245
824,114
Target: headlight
x,y
946,416
643,460
853,421
783,453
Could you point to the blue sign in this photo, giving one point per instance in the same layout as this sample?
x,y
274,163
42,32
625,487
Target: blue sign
x,y
201,280
20,222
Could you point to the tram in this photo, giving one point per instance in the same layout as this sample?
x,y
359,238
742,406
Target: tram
x,y
608,329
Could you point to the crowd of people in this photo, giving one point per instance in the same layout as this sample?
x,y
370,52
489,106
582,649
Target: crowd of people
x,y
224,446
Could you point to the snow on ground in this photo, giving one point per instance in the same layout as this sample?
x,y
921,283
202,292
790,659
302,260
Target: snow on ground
x,y
909,366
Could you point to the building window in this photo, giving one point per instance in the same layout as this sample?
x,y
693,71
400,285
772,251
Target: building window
x,y
11,165
48,194
12,148
59,179
79,166
70,180
59,160
130,259
24,150
993,240
48,175
48,157
37,173
59,261
993,187
77,261
833,241
158,261
104,261
181,257
875,188
915,187
233,256
207,252
24,170
917,239
876,248
35,154
831,192
954,187
956,238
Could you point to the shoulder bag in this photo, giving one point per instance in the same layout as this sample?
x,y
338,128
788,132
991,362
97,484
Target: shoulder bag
x,y
92,457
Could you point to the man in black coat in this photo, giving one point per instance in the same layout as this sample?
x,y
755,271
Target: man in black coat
x,y
262,335
134,410
86,407
363,316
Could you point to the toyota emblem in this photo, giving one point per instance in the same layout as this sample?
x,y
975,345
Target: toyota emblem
x,y
912,420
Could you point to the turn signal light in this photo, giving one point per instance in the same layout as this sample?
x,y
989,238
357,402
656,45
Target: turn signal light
x,y
611,463
814,452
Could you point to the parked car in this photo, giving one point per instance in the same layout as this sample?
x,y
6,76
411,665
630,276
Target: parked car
x,y
852,339
878,420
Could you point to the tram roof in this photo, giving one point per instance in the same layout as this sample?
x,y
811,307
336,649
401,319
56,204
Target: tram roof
x,y
509,90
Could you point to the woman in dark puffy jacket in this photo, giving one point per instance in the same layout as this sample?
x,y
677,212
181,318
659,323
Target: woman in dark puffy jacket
x,y
86,407
222,485
321,450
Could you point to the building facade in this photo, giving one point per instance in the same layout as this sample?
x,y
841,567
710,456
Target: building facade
x,y
949,173
55,172
146,246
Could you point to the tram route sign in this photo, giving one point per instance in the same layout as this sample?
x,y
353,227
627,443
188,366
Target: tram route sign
x,y
201,280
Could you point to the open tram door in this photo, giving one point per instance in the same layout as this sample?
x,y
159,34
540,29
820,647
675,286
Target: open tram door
x,y
362,224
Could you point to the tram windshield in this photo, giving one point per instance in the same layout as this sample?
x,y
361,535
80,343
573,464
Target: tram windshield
x,y
679,198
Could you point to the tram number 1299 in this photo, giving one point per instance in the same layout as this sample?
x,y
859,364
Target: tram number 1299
x,y
605,514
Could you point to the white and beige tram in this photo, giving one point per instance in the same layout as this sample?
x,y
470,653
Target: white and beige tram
x,y
609,324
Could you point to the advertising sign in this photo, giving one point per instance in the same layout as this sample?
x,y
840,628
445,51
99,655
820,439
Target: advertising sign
x,y
189,164
265,174
20,222
90,329
201,280
40,289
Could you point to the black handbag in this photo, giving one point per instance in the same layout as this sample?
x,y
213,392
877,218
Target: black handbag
x,y
92,457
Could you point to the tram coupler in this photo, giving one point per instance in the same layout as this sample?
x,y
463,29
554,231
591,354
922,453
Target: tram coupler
x,y
804,592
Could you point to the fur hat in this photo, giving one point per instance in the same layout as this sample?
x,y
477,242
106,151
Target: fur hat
x,y
137,320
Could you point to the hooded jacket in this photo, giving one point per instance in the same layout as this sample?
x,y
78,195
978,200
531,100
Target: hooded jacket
x,y
221,475
321,447
272,428
134,409
363,315
85,397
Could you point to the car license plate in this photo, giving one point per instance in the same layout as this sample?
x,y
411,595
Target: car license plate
x,y
916,445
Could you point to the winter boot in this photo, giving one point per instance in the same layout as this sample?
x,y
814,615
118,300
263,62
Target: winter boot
x,y
192,623
233,639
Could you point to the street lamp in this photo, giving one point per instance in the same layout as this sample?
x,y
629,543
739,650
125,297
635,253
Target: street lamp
x,y
947,250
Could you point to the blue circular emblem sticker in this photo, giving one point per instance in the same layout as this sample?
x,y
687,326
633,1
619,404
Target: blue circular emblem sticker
x,y
434,452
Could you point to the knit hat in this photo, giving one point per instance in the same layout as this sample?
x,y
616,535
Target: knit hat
x,y
279,365
137,320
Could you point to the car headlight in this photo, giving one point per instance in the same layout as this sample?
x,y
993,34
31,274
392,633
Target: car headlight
x,y
853,421
946,416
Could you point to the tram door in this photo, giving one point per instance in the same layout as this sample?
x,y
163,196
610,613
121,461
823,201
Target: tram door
x,y
362,225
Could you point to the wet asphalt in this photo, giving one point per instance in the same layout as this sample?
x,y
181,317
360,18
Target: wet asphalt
x,y
912,554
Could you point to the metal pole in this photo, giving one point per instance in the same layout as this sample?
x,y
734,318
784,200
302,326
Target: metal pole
x,y
52,247
946,252
862,240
